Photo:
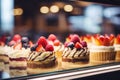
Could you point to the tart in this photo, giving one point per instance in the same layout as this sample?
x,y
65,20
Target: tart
x,y
117,47
102,50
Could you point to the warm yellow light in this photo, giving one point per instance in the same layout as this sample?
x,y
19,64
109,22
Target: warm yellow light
x,y
44,9
18,11
68,8
54,9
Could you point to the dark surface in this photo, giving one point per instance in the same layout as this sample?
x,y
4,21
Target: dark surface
x,y
106,76
113,2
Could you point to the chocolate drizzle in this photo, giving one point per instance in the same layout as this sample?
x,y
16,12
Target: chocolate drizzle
x,y
75,53
36,56
41,56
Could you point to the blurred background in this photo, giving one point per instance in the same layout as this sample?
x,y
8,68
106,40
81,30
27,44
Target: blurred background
x,y
34,18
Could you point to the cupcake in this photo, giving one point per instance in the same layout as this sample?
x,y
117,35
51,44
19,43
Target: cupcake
x,y
117,47
75,53
58,48
42,58
102,50
18,57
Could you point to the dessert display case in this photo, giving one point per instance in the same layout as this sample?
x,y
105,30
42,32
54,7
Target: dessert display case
x,y
60,43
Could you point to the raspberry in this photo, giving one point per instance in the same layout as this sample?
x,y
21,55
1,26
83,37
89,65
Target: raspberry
x,y
11,43
49,48
78,45
52,37
17,38
56,43
42,41
75,39
84,44
65,44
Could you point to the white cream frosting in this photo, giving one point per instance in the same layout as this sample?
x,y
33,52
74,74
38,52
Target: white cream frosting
x,y
117,47
7,50
59,48
2,50
19,53
101,48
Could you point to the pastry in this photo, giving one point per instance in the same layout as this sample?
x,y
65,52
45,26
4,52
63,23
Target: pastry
x,y
102,50
58,48
117,47
42,58
18,56
75,53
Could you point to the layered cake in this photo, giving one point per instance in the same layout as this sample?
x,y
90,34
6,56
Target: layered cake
x,y
7,49
18,62
75,53
42,58
4,59
18,57
2,56
117,47
102,50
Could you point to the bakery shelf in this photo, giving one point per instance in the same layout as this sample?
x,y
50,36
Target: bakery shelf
x,y
74,73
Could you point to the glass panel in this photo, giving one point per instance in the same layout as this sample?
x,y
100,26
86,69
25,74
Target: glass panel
x,y
86,36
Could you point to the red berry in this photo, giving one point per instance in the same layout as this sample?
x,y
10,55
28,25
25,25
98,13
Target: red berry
x,y
84,44
75,39
39,48
42,41
17,38
56,43
70,36
11,43
49,48
66,43
101,38
78,45
52,37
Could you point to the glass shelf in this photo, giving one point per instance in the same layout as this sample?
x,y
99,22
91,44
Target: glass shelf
x,y
74,73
